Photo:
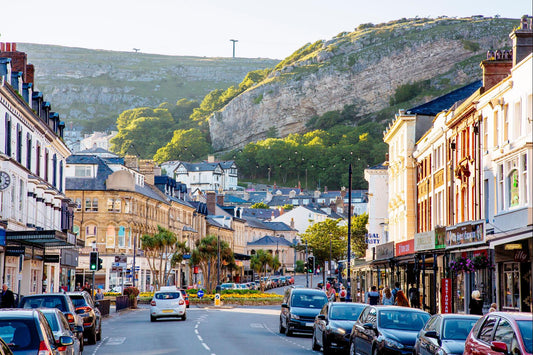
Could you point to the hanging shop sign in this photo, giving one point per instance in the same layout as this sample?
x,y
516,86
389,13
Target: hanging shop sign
x,y
384,251
446,296
405,248
440,237
465,234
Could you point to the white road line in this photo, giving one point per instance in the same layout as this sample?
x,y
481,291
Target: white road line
x,y
196,331
99,345
206,347
200,338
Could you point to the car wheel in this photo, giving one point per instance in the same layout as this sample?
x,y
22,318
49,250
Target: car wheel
x,y
326,349
352,348
99,334
82,342
188,306
92,336
316,347
152,319
184,316
281,328
288,332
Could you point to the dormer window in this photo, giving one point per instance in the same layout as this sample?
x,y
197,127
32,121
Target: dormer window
x,y
83,171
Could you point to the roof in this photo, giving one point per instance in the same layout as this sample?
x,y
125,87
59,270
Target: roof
x,y
88,184
270,240
262,213
214,223
442,103
380,166
203,166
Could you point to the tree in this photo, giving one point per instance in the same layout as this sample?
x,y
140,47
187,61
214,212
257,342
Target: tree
x,y
158,249
205,255
186,145
260,205
259,262
275,264
359,232
324,239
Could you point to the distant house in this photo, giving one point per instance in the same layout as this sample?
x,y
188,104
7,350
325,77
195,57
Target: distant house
x,y
204,176
301,217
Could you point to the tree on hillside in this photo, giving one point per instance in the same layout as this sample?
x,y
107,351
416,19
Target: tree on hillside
x,y
325,239
205,255
186,145
159,248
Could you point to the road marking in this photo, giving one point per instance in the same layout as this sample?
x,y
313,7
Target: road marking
x,y
205,346
116,341
99,345
284,337
256,325
196,331
200,338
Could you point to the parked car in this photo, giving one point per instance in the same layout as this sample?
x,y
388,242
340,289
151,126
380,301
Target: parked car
x,y
4,349
387,330
445,334
299,308
501,333
275,282
228,286
166,304
92,318
60,301
27,332
59,325
185,296
333,326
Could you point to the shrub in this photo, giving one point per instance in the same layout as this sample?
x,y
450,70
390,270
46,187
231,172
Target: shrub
x,y
131,291
258,99
470,46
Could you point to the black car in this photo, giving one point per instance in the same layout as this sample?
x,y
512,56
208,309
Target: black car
x,y
333,326
87,310
299,308
445,334
387,330
27,332
59,325
60,301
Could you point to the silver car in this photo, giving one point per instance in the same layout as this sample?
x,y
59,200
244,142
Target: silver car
x,y
60,327
167,304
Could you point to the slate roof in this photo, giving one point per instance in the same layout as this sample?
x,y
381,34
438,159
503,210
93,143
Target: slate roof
x,y
277,226
88,184
261,213
442,103
381,166
226,164
203,166
270,240
212,222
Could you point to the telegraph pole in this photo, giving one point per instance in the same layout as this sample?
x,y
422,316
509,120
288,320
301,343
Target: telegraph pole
x,y
234,40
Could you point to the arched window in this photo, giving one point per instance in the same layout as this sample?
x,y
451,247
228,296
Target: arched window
x,y
513,190
121,237
110,237
90,234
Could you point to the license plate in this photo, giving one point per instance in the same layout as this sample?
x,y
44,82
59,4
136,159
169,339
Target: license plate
x,y
168,311
308,324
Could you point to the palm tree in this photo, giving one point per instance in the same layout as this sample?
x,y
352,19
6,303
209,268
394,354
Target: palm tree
x,y
259,262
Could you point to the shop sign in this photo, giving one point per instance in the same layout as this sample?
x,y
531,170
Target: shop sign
x,y
51,258
15,251
406,247
440,237
425,241
465,234
446,295
520,256
373,238
2,237
385,251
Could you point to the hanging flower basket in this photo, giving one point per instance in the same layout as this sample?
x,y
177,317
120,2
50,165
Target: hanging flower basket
x,y
461,264
481,262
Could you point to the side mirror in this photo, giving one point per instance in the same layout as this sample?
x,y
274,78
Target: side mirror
x,y
499,347
431,334
284,305
321,317
369,326
65,341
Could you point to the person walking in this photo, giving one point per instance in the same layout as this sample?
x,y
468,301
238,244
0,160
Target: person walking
x,y
476,303
331,294
8,299
99,294
401,300
388,298
414,296
395,289
372,296
342,294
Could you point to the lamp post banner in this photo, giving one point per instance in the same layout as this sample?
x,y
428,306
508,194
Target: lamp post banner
x,y
446,296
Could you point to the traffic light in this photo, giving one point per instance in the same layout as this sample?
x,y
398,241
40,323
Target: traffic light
x,y
310,264
306,267
93,261
99,264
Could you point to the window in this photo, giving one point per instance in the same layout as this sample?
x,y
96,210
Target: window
x,y
19,143
82,171
95,205
7,148
504,333
500,188
54,170
517,119
91,205
38,160
505,123
524,184
485,133
513,188
495,141
110,237
485,334
90,230
28,151
121,237
46,164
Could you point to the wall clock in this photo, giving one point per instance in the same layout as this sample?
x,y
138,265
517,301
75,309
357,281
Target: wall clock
x,y
5,180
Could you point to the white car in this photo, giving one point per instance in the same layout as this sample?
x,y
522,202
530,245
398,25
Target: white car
x,y
167,304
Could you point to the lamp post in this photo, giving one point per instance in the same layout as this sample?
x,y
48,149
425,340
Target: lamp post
x,y
218,260
348,274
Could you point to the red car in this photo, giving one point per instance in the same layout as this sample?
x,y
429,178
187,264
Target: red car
x,y
501,333
185,296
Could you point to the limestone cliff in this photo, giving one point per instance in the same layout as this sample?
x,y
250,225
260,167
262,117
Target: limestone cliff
x,y
364,68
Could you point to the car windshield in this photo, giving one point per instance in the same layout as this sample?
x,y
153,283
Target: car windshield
x,y
526,329
305,300
345,312
78,300
44,302
167,295
402,320
19,334
457,329
52,320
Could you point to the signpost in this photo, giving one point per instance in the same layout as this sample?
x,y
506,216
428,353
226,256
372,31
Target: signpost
x,y
200,293
217,299
446,296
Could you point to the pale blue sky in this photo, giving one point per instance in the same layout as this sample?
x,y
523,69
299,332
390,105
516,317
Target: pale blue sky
x,y
268,29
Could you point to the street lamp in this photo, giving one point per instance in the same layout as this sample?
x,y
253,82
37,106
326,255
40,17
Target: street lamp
x,y
348,274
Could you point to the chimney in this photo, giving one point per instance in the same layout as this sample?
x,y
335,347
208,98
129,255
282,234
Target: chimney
x,y
131,161
30,73
220,199
333,206
148,168
325,189
18,59
522,40
210,158
495,70
210,200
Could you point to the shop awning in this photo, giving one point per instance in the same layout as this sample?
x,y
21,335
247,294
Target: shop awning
x,y
44,238
239,256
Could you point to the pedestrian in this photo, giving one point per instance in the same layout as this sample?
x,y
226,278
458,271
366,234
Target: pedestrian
x,y
388,298
8,299
493,307
372,296
395,289
342,294
99,294
414,296
78,287
401,300
331,294
476,303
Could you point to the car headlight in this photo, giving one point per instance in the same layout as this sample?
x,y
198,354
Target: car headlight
x,y
295,316
339,331
393,344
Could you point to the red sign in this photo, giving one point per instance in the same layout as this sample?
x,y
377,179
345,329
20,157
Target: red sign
x,y
446,296
195,269
521,256
479,253
404,248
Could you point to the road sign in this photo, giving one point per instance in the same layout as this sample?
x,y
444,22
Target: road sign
x,y
217,299
200,294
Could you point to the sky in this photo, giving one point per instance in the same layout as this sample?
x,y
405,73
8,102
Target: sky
x,y
264,29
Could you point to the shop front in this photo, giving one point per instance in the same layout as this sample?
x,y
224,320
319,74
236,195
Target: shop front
x,y
382,273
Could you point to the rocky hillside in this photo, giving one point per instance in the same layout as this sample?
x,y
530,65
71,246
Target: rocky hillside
x,y
84,84
363,68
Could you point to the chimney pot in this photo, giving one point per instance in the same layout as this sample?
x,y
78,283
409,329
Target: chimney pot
x,y
14,47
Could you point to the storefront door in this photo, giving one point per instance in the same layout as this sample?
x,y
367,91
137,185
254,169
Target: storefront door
x,y
510,287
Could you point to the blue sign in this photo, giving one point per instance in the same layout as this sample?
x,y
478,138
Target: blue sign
x,y
186,256
200,293
3,237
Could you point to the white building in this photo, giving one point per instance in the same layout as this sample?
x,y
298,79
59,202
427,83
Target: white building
x,y
301,217
204,176
97,140
378,200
